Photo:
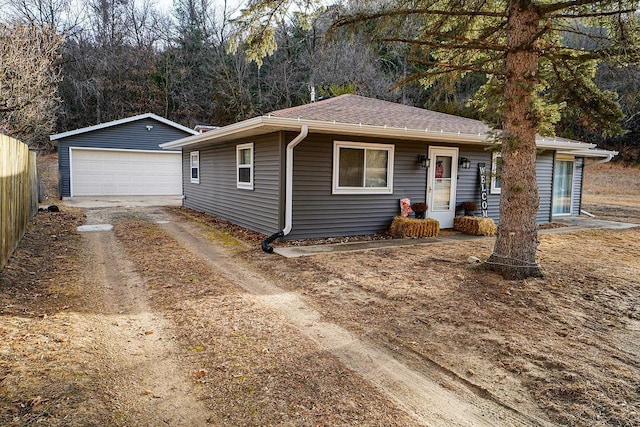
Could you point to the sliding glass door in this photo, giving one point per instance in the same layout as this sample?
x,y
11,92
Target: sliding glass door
x,y
562,186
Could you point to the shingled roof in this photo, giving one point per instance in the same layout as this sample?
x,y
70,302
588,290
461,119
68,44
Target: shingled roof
x,y
368,117
357,109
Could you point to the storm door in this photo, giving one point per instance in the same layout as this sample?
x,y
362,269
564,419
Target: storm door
x,y
441,184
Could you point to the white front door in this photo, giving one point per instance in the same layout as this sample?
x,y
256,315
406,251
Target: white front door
x,y
441,185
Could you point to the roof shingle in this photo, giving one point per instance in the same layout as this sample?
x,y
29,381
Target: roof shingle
x,y
368,111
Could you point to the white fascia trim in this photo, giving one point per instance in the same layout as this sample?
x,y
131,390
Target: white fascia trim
x,y
392,132
285,123
215,133
124,150
119,122
359,129
594,153
562,143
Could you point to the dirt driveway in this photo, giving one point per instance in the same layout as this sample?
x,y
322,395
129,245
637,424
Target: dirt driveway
x,y
139,337
172,319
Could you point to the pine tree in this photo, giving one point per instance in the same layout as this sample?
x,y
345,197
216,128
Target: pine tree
x,y
538,56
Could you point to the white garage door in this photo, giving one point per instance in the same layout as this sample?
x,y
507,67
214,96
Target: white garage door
x,y
125,173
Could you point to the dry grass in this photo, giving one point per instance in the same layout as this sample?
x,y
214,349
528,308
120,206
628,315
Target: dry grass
x,y
612,191
566,346
612,179
252,368
565,342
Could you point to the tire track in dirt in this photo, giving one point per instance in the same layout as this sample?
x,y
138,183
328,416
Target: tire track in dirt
x,y
433,401
133,343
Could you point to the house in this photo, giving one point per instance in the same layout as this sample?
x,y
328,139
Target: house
x,y
339,167
121,158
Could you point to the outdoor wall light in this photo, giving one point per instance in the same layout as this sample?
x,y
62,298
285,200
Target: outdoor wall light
x,y
423,161
464,163
149,127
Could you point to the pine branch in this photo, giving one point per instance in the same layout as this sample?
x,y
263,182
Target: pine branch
x,y
354,19
594,15
466,44
569,54
550,8
448,67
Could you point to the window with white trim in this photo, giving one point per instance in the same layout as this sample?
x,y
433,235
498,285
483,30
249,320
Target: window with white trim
x,y
194,161
496,173
244,163
362,168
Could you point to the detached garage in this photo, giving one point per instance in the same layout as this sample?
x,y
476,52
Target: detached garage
x,y
121,158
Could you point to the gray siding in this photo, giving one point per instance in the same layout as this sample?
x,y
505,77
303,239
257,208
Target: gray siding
x,y
576,195
544,176
469,182
217,193
316,211
126,136
319,213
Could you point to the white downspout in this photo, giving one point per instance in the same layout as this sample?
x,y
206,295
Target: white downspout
x,y
288,204
288,201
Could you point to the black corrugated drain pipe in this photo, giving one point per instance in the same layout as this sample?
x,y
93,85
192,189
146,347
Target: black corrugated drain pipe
x,y
266,242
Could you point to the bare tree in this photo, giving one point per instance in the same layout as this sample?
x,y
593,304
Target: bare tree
x,y
61,15
28,79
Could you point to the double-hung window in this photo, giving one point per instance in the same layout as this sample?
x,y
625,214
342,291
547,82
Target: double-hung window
x,y
496,173
194,161
362,168
244,166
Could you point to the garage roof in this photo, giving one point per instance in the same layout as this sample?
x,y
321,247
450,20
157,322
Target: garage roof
x,y
122,121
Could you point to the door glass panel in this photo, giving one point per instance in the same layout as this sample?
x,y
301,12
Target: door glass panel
x,y
562,185
442,184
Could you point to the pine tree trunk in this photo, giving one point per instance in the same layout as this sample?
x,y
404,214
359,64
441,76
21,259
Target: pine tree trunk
x,y
514,254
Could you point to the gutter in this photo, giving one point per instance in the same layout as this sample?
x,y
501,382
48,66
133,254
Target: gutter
x,y
288,210
610,155
264,124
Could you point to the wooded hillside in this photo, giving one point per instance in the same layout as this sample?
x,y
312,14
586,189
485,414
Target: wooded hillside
x,y
123,57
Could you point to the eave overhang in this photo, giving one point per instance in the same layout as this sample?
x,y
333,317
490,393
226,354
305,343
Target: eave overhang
x,y
268,124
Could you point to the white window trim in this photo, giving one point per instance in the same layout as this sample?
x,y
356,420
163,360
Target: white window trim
x,y
494,160
364,146
244,185
194,158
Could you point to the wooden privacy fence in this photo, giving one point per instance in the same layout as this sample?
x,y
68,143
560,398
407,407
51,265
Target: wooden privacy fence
x,y
18,193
